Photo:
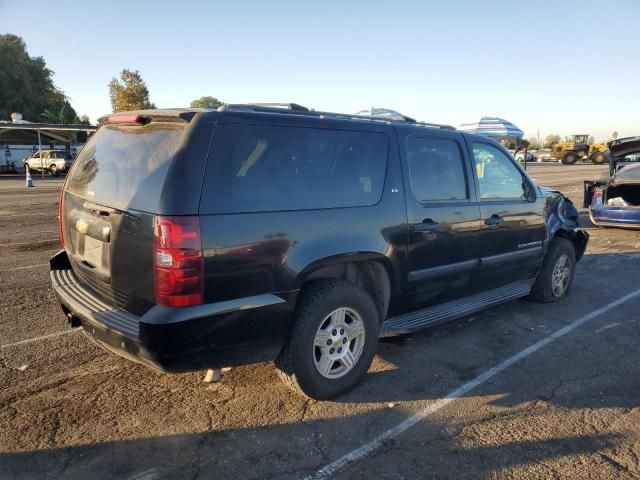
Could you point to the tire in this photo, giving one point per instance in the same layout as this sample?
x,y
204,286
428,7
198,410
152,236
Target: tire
x,y
301,360
53,170
598,158
569,158
546,289
31,170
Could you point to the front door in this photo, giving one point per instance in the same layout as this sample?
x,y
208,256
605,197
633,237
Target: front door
x,y
443,217
513,223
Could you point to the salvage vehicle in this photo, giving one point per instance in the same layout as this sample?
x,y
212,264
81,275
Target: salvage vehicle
x,y
615,201
52,161
196,239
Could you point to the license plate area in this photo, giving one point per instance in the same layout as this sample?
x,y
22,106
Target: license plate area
x,y
96,255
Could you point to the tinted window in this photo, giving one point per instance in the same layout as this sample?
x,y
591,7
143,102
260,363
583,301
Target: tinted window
x,y
436,169
57,155
269,168
498,176
125,166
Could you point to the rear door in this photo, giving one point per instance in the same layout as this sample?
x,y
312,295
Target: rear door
x,y
513,223
111,195
443,216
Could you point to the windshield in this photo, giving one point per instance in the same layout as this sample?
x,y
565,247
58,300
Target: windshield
x,y
125,166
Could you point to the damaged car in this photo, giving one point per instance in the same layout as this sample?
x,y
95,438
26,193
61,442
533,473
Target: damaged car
x,y
615,201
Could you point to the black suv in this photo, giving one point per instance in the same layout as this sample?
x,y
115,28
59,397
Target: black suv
x,y
195,239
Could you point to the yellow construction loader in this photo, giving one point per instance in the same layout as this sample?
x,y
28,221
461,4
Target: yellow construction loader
x,y
570,151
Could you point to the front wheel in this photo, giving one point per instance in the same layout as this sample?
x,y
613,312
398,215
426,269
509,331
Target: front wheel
x,y
598,158
556,274
332,341
53,170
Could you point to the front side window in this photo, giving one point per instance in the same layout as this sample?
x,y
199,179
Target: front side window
x,y
498,176
436,169
257,168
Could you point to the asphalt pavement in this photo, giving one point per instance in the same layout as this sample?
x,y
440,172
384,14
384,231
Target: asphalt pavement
x,y
522,390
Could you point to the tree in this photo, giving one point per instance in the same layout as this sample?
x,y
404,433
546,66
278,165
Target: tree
x,y
27,86
129,93
551,140
206,102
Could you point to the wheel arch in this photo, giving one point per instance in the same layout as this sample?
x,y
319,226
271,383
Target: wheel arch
x,y
559,229
369,270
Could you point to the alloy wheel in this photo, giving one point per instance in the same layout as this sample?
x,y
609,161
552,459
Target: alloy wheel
x,y
338,343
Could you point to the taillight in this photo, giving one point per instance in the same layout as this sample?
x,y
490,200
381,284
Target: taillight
x,y
60,217
596,197
178,261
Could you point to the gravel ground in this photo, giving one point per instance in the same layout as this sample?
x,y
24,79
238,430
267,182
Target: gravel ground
x,y
571,409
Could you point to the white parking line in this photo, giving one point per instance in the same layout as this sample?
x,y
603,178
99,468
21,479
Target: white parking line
x,y
332,468
24,267
43,337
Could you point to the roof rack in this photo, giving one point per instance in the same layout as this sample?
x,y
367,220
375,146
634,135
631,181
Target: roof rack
x,y
294,108
289,106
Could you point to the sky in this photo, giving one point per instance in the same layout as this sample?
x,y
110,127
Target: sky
x,y
559,67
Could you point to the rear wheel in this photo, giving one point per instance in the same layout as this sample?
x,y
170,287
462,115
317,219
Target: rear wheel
x,y
53,170
569,158
598,158
332,342
556,275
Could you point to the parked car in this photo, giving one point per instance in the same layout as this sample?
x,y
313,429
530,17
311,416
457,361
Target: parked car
x,y
198,239
520,156
544,155
52,161
615,201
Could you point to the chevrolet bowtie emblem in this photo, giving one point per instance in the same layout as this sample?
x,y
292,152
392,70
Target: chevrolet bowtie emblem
x,y
82,226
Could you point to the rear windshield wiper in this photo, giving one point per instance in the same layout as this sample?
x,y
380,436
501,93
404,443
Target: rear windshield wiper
x,y
104,210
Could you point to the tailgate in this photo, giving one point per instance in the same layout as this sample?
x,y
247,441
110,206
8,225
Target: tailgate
x,y
111,196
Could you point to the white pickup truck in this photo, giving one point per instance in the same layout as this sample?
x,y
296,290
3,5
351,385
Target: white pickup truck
x,y
53,161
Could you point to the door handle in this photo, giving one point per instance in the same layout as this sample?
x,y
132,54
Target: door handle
x,y
494,221
427,225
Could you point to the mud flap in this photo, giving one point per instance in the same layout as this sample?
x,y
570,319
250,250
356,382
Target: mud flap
x,y
580,243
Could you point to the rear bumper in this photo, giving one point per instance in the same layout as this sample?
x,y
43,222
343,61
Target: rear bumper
x,y
235,332
616,216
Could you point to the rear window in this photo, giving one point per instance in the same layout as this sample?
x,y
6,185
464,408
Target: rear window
x,y
125,166
269,168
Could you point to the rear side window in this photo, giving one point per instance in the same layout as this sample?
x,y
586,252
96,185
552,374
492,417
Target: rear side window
x,y
269,168
125,166
436,169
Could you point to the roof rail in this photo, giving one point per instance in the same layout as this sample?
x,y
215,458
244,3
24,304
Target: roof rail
x,y
294,108
289,106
